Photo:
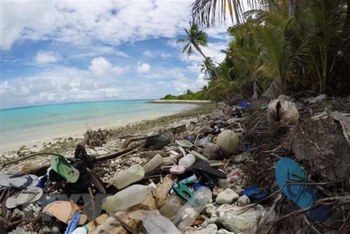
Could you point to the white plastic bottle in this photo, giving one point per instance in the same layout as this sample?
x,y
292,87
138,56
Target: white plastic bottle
x,y
128,176
153,163
187,160
192,209
126,198
80,230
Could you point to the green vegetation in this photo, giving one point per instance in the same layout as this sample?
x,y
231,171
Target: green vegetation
x,y
189,95
289,47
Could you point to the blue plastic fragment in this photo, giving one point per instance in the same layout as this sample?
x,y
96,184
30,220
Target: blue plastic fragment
x,y
73,223
243,105
255,193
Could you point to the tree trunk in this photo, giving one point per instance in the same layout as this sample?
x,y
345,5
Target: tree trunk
x,y
255,94
293,7
347,22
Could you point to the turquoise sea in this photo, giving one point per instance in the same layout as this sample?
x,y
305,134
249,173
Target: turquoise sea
x,y
32,125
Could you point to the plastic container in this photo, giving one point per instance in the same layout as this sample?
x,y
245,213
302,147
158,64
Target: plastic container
x,y
192,209
80,230
171,207
154,222
126,198
187,161
128,176
153,163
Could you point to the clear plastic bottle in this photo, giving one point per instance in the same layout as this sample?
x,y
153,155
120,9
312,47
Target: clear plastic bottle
x,y
187,160
126,198
193,207
171,207
128,176
153,163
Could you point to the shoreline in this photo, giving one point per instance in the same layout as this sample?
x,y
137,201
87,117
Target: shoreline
x,y
31,137
66,146
159,101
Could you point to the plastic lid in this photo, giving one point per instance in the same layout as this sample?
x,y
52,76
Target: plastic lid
x,y
152,186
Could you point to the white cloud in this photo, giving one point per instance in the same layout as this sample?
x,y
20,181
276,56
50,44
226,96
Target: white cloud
x,y
122,54
81,24
101,66
148,53
59,84
44,57
165,55
143,67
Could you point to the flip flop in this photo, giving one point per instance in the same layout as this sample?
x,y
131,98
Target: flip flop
x,y
64,211
73,223
302,195
201,166
29,195
62,167
17,181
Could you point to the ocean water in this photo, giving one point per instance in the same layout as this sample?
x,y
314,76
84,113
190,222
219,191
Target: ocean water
x,y
32,125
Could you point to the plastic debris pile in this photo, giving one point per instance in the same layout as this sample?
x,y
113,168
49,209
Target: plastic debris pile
x,y
242,169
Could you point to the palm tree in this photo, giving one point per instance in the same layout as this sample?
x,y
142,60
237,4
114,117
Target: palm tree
x,y
195,39
188,91
208,68
207,12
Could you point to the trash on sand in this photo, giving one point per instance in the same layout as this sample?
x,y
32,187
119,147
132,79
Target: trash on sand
x,y
303,195
154,222
228,141
191,210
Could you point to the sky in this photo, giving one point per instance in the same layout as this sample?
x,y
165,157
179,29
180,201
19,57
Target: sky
x,y
76,51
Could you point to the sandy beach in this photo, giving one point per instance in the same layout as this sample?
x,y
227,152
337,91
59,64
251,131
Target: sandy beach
x,y
28,127
65,144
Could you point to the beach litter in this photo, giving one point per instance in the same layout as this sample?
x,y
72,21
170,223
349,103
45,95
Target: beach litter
x,y
224,172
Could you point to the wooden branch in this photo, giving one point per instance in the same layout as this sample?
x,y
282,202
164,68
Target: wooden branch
x,y
26,157
93,207
129,140
117,154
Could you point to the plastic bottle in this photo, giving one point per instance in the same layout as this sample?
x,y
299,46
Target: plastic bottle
x,y
126,198
80,230
128,176
153,163
187,161
193,207
171,207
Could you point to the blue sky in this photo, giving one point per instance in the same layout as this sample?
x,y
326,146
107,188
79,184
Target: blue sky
x,y
71,51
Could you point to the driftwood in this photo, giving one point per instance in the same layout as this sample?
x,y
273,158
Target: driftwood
x,y
117,154
178,129
129,140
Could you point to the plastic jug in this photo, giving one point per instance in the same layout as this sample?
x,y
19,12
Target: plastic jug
x,y
192,209
128,176
171,207
187,160
126,198
153,163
